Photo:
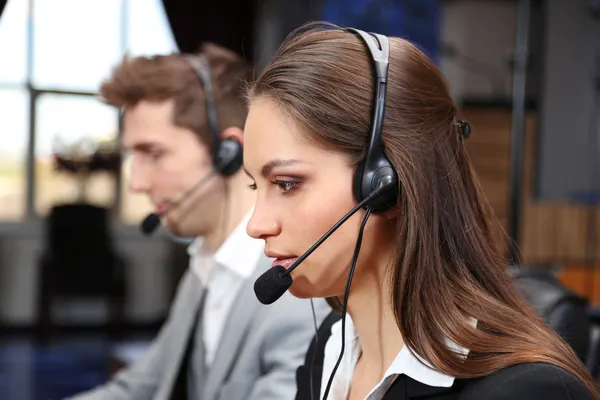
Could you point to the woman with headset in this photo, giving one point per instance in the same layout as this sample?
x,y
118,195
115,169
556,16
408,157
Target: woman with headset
x,y
341,120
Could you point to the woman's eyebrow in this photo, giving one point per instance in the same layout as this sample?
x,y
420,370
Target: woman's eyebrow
x,y
268,168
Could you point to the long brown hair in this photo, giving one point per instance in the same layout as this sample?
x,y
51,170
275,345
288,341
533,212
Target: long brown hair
x,y
449,263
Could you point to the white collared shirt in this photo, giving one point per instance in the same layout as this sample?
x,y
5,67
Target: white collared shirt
x,y
404,363
223,275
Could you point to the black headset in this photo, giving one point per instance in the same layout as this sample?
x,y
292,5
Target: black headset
x,y
376,169
370,174
227,154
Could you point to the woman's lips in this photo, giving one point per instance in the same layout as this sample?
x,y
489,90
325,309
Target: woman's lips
x,y
285,262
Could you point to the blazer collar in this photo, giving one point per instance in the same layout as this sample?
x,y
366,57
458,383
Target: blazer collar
x,y
406,362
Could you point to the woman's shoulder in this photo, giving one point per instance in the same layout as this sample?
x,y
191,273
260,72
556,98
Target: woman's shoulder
x,y
530,381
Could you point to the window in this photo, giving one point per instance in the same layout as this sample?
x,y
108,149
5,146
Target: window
x,y
148,30
14,126
14,109
75,42
71,125
72,48
13,43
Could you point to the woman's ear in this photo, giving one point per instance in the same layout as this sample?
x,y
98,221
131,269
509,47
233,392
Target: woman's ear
x,y
233,132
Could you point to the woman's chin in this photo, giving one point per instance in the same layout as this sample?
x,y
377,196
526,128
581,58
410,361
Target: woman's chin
x,y
305,289
301,292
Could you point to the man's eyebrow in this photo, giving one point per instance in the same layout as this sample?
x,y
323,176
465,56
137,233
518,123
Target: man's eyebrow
x,y
268,168
143,147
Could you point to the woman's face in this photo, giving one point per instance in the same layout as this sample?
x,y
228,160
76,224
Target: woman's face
x,y
302,191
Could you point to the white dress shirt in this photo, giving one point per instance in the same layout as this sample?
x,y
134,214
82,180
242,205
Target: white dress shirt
x,y
404,363
223,274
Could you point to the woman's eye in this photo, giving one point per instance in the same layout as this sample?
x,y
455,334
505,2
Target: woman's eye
x,y
252,186
285,186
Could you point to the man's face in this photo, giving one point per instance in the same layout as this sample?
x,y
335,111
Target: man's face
x,y
168,160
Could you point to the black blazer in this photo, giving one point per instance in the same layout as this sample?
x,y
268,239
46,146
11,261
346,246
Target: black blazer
x,y
530,381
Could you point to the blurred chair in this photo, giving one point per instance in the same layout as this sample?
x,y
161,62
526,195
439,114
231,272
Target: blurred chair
x,y
563,310
79,261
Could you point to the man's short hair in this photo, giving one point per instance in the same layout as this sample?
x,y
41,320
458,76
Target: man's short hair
x,y
165,77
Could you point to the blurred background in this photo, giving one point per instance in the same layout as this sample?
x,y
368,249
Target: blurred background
x,y
526,75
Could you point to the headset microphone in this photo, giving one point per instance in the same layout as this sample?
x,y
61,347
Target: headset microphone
x,y
152,221
150,224
274,282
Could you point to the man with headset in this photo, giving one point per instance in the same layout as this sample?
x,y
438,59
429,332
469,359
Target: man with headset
x,y
183,120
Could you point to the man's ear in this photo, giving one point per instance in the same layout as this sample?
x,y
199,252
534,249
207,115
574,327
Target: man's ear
x,y
233,132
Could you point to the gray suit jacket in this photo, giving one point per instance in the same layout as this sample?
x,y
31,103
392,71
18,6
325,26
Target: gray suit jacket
x,y
259,352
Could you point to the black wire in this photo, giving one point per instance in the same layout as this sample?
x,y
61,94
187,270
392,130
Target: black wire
x,y
228,208
314,356
346,295
200,183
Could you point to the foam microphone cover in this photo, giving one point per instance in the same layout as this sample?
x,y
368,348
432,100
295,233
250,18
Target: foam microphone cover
x,y
150,223
272,284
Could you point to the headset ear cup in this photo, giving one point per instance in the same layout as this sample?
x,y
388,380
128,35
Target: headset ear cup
x,y
229,157
387,198
357,182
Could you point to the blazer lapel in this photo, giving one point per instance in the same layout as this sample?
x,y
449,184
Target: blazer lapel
x,y
189,300
236,328
409,389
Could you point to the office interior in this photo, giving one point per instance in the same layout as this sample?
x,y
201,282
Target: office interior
x,y
525,74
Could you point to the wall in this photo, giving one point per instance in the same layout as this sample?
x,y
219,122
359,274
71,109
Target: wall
x,y
573,43
275,20
478,38
563,44
482,33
